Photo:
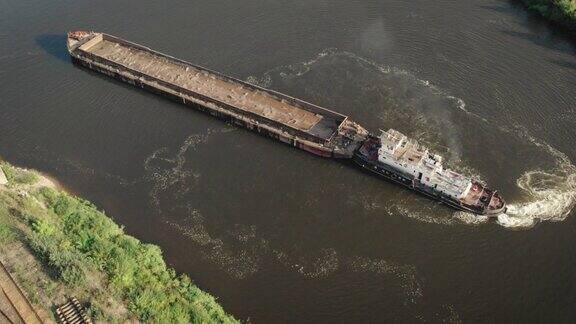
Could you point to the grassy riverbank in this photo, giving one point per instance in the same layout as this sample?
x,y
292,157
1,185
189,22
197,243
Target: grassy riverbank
x,y
58,245
562,12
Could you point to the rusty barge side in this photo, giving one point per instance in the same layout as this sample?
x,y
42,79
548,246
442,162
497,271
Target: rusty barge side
x,y
295,122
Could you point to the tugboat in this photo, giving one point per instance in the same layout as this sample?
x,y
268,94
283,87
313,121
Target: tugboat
x,y
397,158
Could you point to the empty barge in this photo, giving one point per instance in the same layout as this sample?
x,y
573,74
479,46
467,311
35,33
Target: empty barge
x,y
298,123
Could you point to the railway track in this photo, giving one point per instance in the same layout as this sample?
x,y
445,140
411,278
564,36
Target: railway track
x,y
72,313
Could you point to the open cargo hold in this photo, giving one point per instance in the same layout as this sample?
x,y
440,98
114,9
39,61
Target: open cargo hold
x,y
299,123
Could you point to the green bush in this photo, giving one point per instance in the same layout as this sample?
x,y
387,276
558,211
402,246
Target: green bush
x,y
6,231
9,170
19,176
84,237
75,240
66,264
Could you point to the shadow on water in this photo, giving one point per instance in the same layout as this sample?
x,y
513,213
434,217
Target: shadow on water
x,y
552,39
565,64
541,32
54,44
501,9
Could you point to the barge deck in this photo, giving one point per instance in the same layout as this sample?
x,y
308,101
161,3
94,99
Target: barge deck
x,y
293,121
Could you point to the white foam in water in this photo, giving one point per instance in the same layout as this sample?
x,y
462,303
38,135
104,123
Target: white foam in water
x,y
406,274
553,203
469,218
459,103
552,193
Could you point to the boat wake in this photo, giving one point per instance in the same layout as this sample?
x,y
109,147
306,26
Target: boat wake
x,y
552,193
440,120
241,250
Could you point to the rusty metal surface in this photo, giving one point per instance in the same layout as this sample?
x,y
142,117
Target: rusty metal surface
x,y
72,313
188,77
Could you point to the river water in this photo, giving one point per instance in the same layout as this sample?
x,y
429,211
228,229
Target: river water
x,y
279,235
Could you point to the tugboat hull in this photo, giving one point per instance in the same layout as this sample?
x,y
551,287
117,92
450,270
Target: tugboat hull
x,y
410,182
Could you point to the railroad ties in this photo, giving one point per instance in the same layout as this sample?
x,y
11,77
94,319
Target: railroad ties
x,y
72,313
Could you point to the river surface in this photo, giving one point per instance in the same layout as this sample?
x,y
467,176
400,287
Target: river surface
x,y
279,235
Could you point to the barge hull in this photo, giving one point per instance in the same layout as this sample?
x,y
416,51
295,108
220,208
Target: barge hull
x,y
212,110
297,123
